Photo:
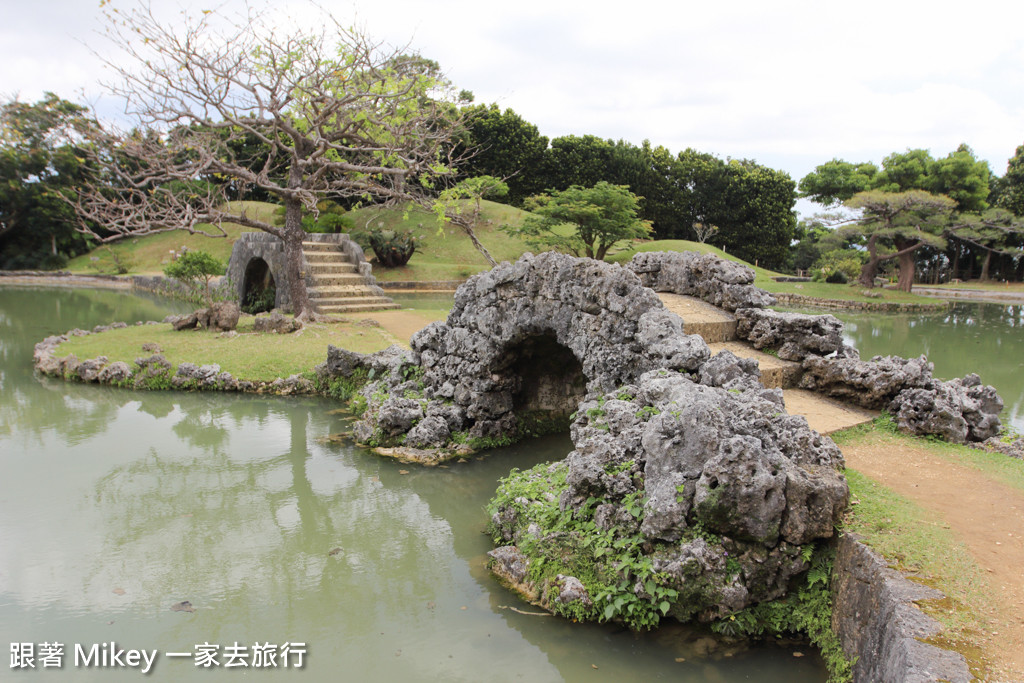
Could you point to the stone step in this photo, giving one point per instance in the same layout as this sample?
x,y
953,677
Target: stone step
x,y
346,300
710,322
825,415
322,268
326,257
329,279
320,246
357,308
775,372
341,291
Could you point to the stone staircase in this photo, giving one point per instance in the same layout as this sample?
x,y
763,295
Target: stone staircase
x,y
335,284
718,328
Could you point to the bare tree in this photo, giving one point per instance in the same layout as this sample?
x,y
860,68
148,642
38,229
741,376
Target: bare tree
x,y
704,231
332,114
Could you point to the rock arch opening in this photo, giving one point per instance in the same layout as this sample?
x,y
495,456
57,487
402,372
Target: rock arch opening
x,y
259,291
547,383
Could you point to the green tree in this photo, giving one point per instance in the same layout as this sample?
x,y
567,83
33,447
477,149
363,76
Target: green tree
x,y
959,175
902,221
963,178
836,181
1011,185
194,267
996,231
39,160
599,216
504,145
903,171
755,216
342,116
578,160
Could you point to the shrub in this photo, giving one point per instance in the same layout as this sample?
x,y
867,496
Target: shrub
x,y
838,265
260,300
111,261
330,218
194,266
392,248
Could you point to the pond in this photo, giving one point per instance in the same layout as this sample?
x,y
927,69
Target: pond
x,y
117,506
985,338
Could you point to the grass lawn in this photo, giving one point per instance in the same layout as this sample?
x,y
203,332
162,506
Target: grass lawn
x,y
444,251
247,355
825,290
148,255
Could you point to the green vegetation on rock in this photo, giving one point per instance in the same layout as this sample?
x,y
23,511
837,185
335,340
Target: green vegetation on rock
x,y
616,568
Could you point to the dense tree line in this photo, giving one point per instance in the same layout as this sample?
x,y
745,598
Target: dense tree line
x,y
750,205
977,233
39,158
736,204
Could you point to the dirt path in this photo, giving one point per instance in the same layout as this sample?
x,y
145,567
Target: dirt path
x,y
988,517
401,324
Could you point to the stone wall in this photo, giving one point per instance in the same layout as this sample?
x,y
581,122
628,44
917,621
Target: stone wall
x,y
896,307
719,282
879,625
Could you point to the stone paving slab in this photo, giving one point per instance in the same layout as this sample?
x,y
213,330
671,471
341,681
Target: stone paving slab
x,y
825,415
710,322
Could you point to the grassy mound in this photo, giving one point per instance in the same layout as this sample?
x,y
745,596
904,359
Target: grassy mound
x,y
148,255
443,252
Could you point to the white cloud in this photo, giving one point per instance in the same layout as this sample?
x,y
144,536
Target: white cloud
x,y
791,84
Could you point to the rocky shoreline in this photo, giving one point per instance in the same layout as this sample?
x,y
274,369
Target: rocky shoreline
x,y
154,371
837,304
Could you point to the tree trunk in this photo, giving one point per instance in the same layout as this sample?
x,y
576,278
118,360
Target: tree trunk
x,y
906,266
870,269
868,272
985,265
467,228
293,263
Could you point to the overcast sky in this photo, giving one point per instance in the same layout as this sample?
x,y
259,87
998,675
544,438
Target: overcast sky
x,y
790,84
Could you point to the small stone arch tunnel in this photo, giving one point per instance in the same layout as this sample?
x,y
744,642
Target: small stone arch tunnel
x,y
538,335
257,266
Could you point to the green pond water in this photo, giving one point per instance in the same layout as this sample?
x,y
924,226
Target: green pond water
x,y
985,338
117,505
